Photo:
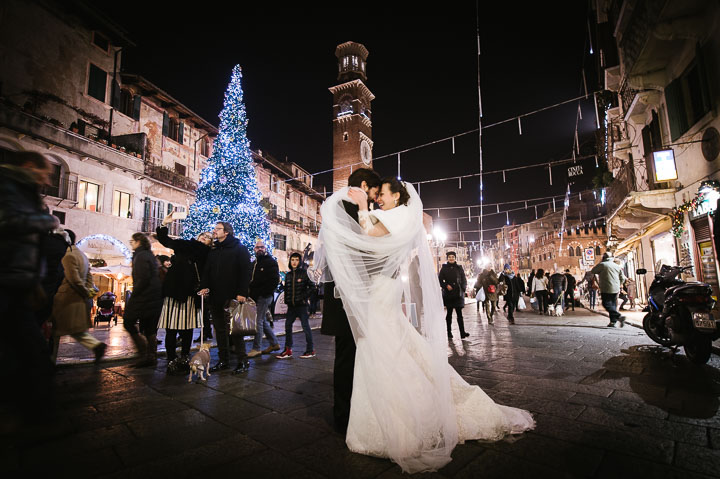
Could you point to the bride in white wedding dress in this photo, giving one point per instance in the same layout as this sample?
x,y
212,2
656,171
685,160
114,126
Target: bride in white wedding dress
x,y
408,403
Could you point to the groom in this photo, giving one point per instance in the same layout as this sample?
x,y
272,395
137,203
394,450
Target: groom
x,y
335,321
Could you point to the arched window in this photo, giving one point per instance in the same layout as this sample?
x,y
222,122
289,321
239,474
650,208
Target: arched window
x,y
571,251
578,251
597,250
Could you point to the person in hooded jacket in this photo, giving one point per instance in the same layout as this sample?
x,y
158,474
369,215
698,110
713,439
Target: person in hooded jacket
x,y
515,287
181,305
145,303
297,290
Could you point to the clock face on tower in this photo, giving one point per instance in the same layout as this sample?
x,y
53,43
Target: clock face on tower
x,y
365,152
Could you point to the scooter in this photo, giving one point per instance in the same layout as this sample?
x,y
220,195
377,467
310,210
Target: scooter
x,y
679,314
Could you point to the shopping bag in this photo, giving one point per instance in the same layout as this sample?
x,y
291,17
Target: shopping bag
x,y
480,296
521,303
243,317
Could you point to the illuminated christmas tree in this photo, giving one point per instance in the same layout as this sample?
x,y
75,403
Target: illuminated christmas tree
x,y
228,189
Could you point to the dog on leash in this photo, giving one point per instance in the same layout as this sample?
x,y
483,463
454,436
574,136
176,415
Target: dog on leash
x,y
556,310
200,363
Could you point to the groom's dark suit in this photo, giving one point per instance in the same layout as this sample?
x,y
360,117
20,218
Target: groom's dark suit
x,y
335,323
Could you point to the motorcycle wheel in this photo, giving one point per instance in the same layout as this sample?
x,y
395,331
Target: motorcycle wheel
x,y
651,331
698,350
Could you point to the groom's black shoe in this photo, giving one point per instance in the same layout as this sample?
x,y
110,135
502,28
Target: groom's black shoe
x,y
450,336
464,335
219,366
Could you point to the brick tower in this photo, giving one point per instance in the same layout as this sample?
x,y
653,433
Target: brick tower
x,y
352,125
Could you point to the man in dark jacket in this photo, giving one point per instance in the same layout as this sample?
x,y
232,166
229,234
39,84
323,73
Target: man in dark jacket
x,y
453,283
297,290
558,285
570,290
225,277
264,279
335,321
515,287
24,351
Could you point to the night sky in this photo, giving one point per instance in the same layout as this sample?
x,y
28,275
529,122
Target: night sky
x,y
422,69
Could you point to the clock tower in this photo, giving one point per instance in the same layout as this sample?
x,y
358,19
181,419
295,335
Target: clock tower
x,y
352,125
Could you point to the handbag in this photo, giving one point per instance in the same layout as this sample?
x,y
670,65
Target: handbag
x,y
491,288
243,317
521,304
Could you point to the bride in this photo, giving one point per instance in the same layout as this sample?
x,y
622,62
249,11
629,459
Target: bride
x,y
408,403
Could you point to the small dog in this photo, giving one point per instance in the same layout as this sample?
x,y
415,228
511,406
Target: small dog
x,y
556,310
200,362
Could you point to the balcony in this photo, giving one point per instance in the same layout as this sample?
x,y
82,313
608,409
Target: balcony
x,y
166,175
55,135
65,189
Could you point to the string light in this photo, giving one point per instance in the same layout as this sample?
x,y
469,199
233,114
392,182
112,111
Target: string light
x,y
114,241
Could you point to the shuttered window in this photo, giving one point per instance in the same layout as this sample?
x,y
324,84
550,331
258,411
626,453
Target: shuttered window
x,y
97,83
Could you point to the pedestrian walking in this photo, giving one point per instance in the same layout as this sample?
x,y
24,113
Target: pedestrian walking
x,y
611,280
264,278
491,285
515,288
145,303
73,301
225,277
558,285
453,283
477,287
570,290
23,222
297,290
539,289
531,276
181,306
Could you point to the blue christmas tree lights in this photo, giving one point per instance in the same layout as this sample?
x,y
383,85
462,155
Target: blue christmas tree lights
x,y
228,189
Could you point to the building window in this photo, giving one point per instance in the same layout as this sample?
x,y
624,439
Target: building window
x,y
280,242
180,169
122,205
300,199
597,251
346,137
688,96
578,251
130,104
173,128
89,196
205,147
53,189
100,41
571,251
97,83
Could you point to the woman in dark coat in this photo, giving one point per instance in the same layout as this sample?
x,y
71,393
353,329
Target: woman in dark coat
x,y
181,305
145,302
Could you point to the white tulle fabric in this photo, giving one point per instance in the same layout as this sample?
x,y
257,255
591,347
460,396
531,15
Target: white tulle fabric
x,y
408,403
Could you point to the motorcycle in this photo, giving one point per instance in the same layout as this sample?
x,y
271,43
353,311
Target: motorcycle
x,y
679,314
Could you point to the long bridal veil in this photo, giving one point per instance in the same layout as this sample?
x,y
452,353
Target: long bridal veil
x,y
419,430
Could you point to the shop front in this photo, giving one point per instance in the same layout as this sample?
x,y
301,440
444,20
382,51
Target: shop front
x,y
701,231
111,268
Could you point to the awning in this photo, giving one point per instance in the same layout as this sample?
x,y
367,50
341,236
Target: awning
x,y
660,225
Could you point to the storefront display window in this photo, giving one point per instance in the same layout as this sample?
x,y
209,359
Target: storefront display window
x,y
664,252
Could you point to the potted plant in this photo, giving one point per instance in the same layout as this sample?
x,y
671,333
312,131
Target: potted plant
x,y
74,127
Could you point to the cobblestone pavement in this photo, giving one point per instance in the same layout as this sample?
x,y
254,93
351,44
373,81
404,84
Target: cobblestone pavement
x,y
608,403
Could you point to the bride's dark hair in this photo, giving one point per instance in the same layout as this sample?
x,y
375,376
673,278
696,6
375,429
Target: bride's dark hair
x,y
397,187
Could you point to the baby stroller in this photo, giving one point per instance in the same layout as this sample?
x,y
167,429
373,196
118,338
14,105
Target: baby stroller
x,y
106,309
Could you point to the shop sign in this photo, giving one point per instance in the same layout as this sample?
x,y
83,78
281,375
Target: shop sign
x,y
665,168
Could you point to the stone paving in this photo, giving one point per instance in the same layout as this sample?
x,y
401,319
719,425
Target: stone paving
x,y
608,403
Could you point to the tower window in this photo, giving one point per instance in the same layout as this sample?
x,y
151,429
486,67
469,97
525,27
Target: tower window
x,y
346,137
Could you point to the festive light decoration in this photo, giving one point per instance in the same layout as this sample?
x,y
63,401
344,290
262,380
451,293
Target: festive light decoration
x,y
114,241
228,189
678,213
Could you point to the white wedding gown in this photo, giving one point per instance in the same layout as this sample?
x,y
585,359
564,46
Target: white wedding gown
x,y
477,416
408,404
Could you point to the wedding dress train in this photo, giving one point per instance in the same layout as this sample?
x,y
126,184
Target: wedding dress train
x,y
476,414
